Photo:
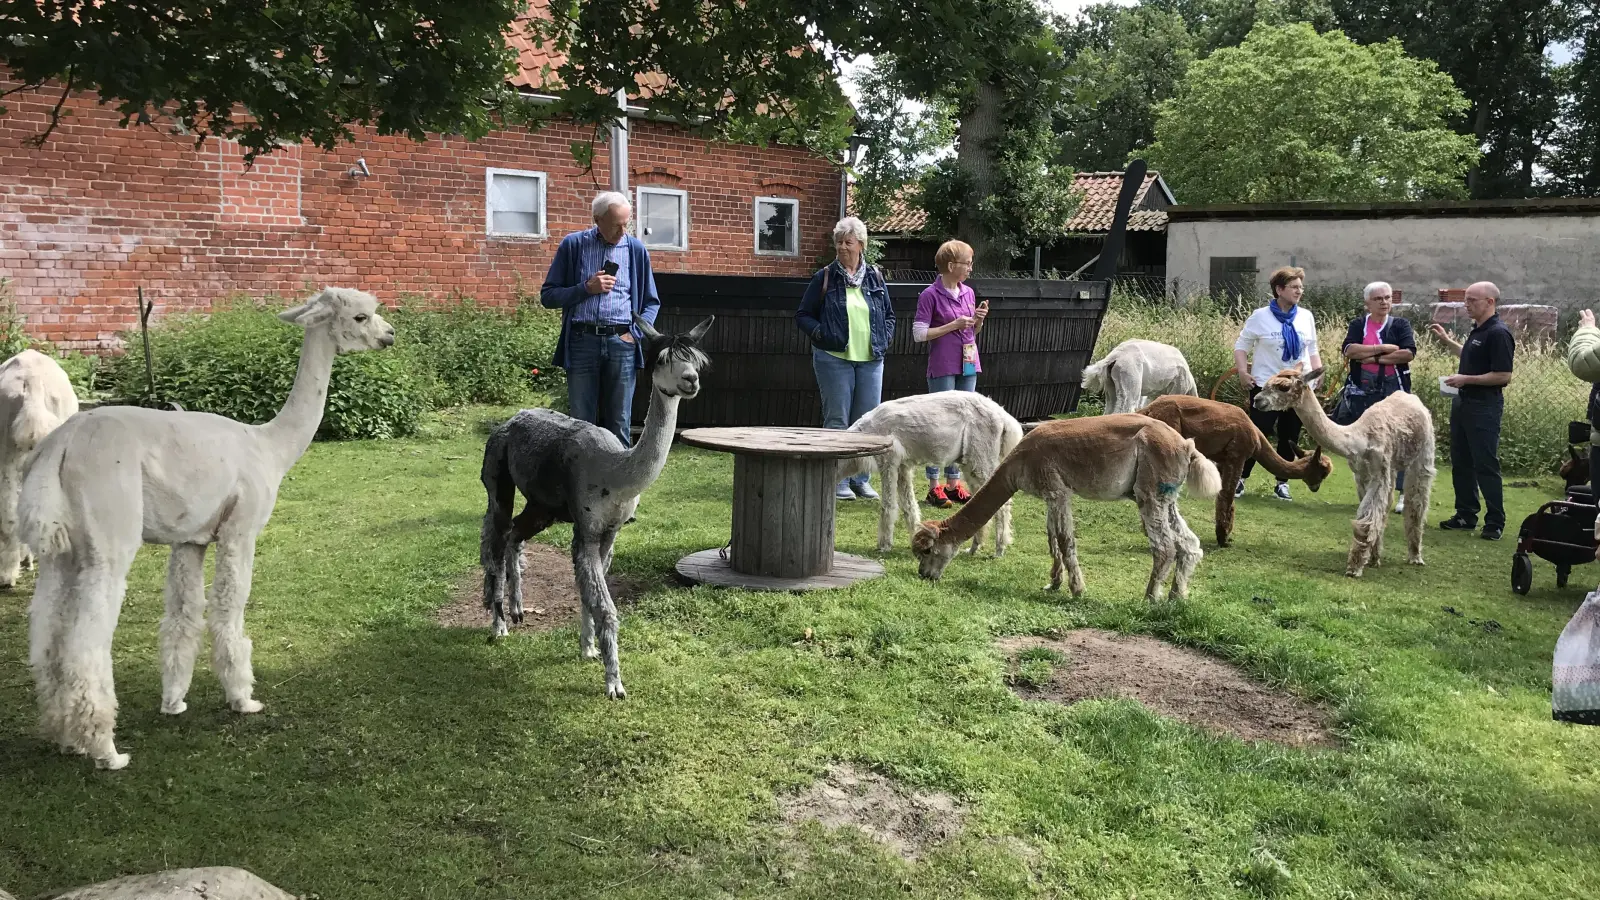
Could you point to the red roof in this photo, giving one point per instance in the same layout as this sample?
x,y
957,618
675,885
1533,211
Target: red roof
x,y
537,65
1096,208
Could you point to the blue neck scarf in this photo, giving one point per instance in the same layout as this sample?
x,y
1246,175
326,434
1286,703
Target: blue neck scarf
x,y
1291,338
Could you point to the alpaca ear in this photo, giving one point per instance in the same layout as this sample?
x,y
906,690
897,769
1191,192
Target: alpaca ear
x,y
699,331
1310,376
645,328
312,312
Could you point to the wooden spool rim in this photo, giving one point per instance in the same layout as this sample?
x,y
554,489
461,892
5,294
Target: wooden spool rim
x,y
794,443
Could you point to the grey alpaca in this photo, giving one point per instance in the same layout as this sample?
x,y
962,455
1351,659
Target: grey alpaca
x,y
572,471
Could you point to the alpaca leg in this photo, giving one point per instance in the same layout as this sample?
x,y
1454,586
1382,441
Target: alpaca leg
x,y
11,549
1163,543
48,615
183,624
1419,485
513,580
493,542
1189,552
230,648
86,695
596,598
1063,546
908,499
1224,512
525,525
889,469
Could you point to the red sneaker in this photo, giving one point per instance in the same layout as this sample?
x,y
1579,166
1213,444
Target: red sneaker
x,y
937,499
957,492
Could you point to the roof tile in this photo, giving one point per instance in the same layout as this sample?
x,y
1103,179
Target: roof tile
x,y
1094,214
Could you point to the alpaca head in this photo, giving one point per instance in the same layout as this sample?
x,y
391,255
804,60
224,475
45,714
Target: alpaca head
x,y
1318,470
675,360
932,554
1283,390
349,315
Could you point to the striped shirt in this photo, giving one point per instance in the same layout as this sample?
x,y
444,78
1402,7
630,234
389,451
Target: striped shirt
x,y
615,307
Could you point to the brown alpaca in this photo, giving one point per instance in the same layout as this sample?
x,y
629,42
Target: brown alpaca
x,y
1115,457
1393,434
1227,437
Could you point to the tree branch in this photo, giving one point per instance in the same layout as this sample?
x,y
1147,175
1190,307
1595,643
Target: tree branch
x,y
39,139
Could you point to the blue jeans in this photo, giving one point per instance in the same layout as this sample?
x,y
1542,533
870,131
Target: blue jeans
x,y
600,375
849,391
949,383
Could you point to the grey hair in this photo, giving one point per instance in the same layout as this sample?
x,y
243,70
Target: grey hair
x,y
850,226
604,200
1373,288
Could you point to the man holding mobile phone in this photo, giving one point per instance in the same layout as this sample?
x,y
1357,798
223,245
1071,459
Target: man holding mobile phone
x,y
599,279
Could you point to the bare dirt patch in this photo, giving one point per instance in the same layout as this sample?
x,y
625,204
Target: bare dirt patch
x,y
1184,684
906,821
549,594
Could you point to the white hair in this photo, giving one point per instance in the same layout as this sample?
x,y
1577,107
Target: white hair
x,y
604,200
1373,288
850,226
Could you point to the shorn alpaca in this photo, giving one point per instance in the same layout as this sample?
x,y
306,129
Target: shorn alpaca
x,y
1136,371
1227,437
950,427
116,477
1394,434
1115,457
35,398
572,471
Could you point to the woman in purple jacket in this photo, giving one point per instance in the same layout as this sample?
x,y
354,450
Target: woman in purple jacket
x,y
949,319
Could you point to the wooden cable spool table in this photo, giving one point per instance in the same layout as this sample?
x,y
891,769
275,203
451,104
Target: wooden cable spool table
x,y
783,509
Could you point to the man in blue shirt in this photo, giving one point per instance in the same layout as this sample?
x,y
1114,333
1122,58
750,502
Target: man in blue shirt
x,y
600,346
1485,370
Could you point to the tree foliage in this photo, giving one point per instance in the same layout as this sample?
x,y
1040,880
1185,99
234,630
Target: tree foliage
x,y
904,139
1294,115
1574,157
304,69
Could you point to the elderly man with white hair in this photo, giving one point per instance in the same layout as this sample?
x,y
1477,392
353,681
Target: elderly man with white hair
x,y
1380,348
600,277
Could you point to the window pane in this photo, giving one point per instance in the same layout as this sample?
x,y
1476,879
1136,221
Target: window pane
x,y
775,227
659,216
514,202
516,223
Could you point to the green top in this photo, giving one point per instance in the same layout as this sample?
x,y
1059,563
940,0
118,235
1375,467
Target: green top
x,y
1583,358
859,349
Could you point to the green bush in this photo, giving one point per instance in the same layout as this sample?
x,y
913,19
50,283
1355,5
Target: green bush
x,y
465,353
240,362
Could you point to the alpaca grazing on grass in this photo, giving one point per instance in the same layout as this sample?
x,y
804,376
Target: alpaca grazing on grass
x,y
114,478
35,398
1135,371
572,471
950,427
1227,437
1117,457
1395,434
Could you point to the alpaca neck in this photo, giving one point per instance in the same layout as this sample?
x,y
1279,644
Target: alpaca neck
x,y
1277,465
980,509
1333,437
290,433
648,457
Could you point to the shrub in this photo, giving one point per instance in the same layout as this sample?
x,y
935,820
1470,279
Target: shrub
x,y
464,353
240,362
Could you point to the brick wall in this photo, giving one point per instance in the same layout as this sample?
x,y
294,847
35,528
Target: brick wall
x,y
99,211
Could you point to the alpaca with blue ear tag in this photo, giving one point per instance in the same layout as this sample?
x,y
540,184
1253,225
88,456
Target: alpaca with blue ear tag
x,y
568,470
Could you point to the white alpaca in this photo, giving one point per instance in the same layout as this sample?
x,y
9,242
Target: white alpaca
x,y
35,398
1136,372
1395,434
949,427
114,478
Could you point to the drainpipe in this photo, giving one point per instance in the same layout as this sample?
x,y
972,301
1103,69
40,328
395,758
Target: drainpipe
x,y
619,146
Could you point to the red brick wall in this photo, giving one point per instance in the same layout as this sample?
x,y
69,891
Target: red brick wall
x,y
99,211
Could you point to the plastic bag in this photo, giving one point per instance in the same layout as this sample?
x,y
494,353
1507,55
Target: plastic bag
x,y
1575,681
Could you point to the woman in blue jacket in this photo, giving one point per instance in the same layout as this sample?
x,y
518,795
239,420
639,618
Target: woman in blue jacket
x,y
846,314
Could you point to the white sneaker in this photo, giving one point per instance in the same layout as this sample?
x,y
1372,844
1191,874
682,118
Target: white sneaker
x,y
1238,489
1281,491
1400,504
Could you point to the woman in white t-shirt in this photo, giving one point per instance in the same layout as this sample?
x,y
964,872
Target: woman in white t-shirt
x,y
1274,338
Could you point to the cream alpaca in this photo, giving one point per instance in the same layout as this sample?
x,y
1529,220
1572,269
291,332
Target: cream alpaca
x,y
1135,371
1394,434
35,398
116,477
1115,457
960,427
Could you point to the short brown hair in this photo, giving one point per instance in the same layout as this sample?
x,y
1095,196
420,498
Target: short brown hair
x,y
949,252
1283,276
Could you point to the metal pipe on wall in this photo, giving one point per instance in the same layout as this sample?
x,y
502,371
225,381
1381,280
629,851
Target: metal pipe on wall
x,y
619,146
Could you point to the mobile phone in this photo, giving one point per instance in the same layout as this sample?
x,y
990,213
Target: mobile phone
x,y
610,268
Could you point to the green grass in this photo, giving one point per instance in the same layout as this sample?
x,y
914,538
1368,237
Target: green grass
x,y
399,759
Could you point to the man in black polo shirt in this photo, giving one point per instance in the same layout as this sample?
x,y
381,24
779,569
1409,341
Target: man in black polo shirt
x,y
1475,413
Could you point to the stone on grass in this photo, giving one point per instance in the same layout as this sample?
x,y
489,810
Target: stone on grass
x,y
210,883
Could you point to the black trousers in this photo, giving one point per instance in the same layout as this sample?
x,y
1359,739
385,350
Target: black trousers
x,y
1475,457
1286,424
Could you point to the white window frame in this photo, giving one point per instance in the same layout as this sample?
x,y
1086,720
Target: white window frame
x,y
683,215
755,217
488,207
